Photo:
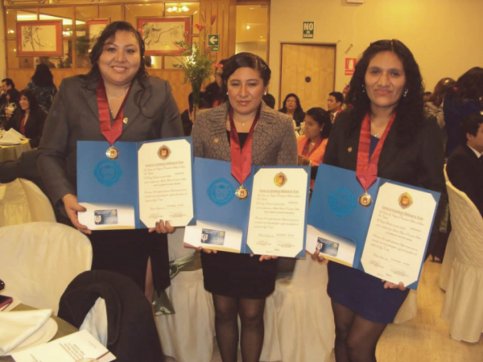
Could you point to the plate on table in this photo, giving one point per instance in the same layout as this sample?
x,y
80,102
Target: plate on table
x,y
42,335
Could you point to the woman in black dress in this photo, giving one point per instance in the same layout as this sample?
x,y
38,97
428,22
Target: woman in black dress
x,y
386,132
243,128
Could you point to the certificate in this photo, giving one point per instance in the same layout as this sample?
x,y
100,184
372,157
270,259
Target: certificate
x,y
136,184
269,221
386,238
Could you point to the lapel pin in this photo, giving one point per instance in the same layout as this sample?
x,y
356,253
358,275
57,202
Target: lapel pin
x,y
349,149
125,120
216,140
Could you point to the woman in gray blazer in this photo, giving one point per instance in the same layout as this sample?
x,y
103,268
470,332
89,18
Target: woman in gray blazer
x,y
117,94
243,128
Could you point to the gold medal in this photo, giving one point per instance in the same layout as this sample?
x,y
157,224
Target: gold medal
x,y
241,192
365,199
112,153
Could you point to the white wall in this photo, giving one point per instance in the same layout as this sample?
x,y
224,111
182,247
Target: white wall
x,y
445,36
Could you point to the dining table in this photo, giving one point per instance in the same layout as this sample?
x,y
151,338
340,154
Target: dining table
x,y
13,152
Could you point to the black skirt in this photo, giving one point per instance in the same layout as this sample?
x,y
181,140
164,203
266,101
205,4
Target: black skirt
x,y
127,252
238,275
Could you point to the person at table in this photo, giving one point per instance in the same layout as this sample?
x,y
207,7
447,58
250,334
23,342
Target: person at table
x,y
383,135
465,164
28,118
10,106
243,128
115,101
291,106
42,85
311,146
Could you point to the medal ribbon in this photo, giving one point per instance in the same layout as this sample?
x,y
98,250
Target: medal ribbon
x,y
111,131
366,170
241,158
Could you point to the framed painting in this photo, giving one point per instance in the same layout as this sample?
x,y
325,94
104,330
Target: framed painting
x,y
39,38
95,28
165,36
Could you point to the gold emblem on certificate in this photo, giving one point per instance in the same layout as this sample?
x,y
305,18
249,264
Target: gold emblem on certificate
x,y
112,153
365,199
241,192
405,200
164,152
280,179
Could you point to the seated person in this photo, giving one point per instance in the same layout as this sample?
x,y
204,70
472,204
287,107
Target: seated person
x,y
465,164
291,106
28,118
311,146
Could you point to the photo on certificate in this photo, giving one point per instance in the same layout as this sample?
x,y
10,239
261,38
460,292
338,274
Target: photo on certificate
x,y
107,216
213,236
332,247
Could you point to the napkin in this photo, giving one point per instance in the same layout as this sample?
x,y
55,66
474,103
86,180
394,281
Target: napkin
x,y
11,137
16,327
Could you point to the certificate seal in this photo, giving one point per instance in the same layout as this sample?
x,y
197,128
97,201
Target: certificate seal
x,y
280,179
107,172
112,153
405,200
164,152
365,199
221,192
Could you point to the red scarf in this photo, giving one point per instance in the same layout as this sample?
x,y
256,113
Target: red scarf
x,y
111,130
241,158
366,170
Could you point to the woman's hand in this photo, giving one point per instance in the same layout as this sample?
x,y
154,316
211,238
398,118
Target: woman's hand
x,y
207,251
317,256
267,257
72,207
389,285
162,227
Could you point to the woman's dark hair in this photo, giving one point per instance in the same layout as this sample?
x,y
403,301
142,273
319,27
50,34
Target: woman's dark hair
x,y
43,76
440,90
410,108
13,95
245,60
298,107
470,84
33,102
109,32
322,117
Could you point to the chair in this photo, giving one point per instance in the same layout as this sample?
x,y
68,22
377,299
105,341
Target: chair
x,y
22,201
188,334
449,253
463,303
131,332
304,325
38,260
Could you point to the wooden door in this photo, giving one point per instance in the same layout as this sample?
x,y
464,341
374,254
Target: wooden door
x,y
307,70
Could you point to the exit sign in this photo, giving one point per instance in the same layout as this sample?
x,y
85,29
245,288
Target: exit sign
x,y
308,30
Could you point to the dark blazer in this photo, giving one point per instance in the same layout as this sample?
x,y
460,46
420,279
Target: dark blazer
x,y
74,116
465,171
131,331
418,163
273,138
34,126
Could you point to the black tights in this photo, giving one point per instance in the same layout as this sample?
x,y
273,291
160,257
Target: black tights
x,y
250,311
355,337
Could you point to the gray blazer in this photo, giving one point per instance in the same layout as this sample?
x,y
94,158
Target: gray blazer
x,y
74,116
274,140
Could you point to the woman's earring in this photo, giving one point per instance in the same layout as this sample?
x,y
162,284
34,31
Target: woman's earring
x,y
363,88
405,94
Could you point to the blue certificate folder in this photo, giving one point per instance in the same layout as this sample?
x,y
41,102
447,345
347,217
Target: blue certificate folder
x,y
102,180
335,209
215,200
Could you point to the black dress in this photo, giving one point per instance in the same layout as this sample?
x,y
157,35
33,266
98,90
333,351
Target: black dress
x,y
238,275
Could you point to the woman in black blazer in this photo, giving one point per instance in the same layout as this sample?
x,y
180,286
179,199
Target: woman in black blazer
x,y
387,118
28,118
